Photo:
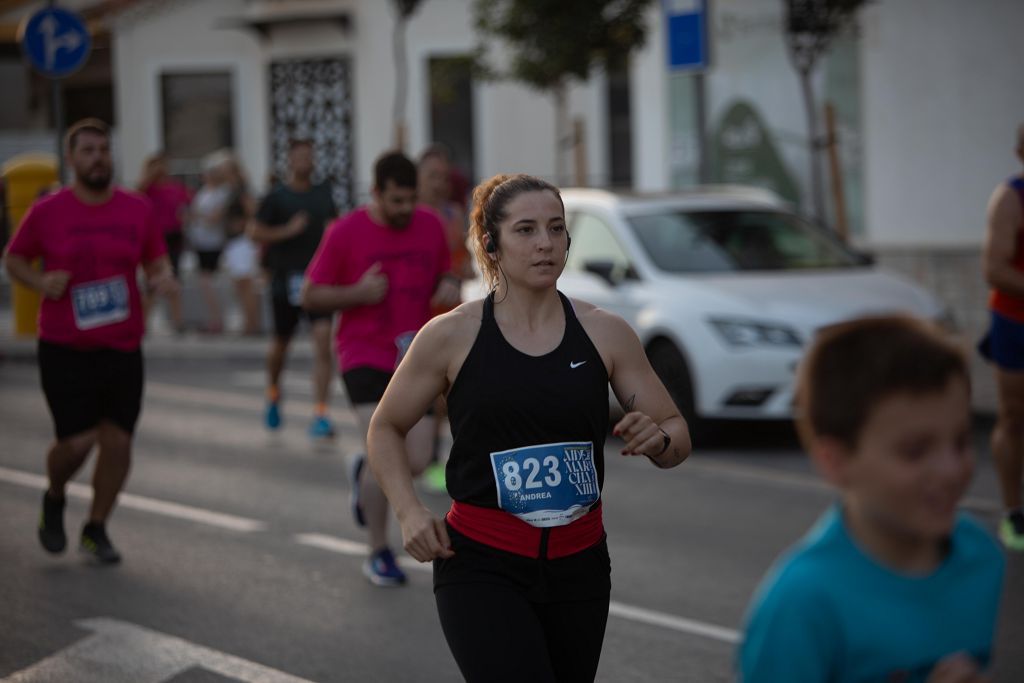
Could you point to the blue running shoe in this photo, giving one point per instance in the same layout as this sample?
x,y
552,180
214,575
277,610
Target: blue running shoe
x,y
382,570
321,428
272,418
355,471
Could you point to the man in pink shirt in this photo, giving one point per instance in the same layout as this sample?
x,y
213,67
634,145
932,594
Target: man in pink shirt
x,y
384,265
92,238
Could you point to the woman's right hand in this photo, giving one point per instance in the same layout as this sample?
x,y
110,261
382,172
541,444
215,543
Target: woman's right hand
x,y
425,536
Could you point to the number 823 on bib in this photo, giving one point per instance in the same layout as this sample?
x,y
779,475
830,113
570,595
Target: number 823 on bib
x,y
546,485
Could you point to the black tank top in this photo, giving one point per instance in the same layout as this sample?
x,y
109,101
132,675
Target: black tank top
x,y
503,398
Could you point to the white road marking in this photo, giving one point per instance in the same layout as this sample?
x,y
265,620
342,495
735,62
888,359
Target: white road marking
x,y
343,546
128,500
120,651
618,609
681,624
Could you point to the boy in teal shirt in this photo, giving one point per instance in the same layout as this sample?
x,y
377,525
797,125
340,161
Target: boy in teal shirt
x,y
892,584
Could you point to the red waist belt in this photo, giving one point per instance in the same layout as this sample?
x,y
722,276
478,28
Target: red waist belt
x,y
503,531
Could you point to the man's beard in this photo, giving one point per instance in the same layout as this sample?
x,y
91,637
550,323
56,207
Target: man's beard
x,y
398,220
96,181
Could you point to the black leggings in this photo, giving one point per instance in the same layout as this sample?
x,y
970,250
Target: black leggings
x,y
496,634
512,618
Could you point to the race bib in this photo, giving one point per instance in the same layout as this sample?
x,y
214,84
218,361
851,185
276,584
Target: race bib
x,y
101,302
295,288
548,485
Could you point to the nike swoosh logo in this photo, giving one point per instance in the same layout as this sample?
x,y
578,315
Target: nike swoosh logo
x,y
576,365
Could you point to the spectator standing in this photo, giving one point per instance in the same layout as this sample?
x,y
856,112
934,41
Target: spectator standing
x,y
207,233
170,199
240,252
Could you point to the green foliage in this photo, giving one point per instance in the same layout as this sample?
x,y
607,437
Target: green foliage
x,y
553,40
812,24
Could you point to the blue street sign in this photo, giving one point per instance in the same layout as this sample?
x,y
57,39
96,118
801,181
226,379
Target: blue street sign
x,y
686,21
55,41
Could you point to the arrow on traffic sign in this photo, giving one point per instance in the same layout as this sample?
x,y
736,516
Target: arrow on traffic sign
x,y
69,40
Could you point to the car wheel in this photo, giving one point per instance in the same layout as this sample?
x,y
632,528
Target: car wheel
x,y
671,368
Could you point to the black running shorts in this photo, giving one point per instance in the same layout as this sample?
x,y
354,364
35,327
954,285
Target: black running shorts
x,y
286,312
365,385
209,260
84,387
175,242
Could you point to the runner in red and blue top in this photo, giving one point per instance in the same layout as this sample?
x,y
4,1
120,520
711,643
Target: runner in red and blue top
x,y
521,567
92,237
1004,343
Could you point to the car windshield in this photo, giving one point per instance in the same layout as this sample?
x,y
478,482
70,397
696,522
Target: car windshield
x,y
714,241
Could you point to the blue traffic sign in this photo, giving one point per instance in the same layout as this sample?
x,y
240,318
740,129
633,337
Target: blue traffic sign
x,y
55,41
686,21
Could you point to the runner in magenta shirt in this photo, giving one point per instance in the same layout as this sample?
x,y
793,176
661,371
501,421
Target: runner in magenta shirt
x,y
92,238
100,246
383,266
412,259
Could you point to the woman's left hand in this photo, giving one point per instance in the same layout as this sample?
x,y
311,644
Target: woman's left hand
x,y
641,434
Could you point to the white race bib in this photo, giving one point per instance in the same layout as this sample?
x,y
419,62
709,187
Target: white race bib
x,y
295,288
100,302
547,485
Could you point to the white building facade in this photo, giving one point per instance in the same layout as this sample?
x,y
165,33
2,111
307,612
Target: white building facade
x,y
927,95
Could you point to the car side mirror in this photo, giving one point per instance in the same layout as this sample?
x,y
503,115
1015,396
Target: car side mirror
x,y
604,270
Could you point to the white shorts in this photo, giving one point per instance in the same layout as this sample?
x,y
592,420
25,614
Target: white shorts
x,y
240,257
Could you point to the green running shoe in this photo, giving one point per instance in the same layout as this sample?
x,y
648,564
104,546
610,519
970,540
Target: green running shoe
x,y
97,545
1011,532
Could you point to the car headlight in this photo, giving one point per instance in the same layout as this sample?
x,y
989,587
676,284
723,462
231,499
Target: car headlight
x,y
747,333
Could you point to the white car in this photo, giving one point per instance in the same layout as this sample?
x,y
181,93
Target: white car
x,y
725,286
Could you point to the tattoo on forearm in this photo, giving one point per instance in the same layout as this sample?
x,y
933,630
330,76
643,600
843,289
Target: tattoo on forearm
x,y
630,402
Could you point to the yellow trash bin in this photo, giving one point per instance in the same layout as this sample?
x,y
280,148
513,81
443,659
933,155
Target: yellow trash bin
x,y
26,176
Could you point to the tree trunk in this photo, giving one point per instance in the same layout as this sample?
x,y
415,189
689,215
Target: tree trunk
x,y
814,156
561,131
401,83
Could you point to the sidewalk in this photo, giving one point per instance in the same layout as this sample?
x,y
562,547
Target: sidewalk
x,y
161,342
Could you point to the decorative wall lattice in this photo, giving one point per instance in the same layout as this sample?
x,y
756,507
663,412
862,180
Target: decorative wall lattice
x,y
313,99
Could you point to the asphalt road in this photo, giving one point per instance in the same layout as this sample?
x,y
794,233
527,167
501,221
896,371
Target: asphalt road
x,y
242,563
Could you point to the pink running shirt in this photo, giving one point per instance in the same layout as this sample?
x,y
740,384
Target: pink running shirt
x,y
169,198
413,259
101,246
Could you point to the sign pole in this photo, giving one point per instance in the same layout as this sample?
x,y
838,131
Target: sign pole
x,y
56,42
57,102
57,99
703,160
686,24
